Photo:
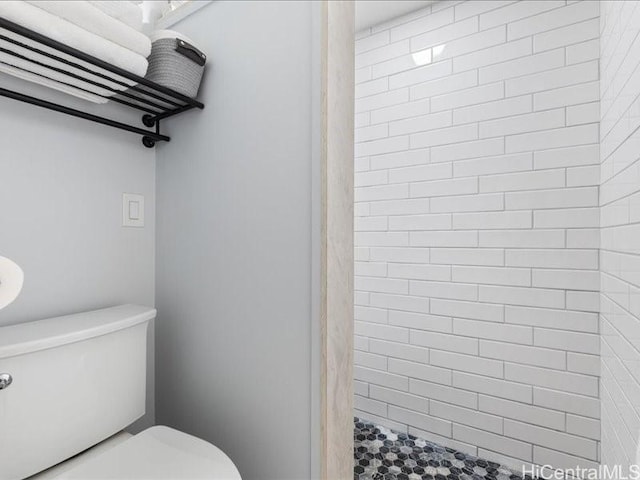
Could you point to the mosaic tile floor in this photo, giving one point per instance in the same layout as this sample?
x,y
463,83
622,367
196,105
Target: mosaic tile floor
x,y
383,454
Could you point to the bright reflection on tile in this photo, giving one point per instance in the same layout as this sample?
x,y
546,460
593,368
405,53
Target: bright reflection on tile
x,y
439,50
422,57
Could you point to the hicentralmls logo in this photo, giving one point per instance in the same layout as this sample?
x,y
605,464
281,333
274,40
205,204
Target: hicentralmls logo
x,y
603,472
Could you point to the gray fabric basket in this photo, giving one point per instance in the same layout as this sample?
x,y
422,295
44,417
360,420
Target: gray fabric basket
x,y
176,64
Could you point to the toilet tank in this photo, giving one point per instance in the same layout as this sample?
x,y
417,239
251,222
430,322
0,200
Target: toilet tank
x,y
76,380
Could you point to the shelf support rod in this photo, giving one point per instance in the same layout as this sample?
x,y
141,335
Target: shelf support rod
x,y
87,116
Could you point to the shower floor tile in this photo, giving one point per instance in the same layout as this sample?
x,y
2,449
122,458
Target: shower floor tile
x,y
383,454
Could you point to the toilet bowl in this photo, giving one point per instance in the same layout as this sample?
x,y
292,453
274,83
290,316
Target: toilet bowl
x,y
72,384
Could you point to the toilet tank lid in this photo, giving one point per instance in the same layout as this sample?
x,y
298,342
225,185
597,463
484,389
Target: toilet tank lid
x,y
52,332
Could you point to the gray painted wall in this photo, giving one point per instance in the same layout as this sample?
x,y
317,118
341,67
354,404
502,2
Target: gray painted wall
x,y
234,242
61,182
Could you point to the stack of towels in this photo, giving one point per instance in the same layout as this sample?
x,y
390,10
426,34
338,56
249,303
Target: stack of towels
x,y
108,30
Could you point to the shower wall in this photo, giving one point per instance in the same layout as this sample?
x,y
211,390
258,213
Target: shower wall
x,y
477,221
620,234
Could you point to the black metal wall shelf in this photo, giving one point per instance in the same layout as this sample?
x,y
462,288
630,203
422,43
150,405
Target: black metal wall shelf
x,y
156,101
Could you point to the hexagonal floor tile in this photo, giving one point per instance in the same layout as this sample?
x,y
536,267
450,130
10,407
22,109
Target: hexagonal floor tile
x,y
383,454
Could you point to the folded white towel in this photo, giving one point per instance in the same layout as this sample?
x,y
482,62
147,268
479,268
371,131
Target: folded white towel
x,y
125,11
87,16
5,35
162,34
66,32
29,66
32,77
117,84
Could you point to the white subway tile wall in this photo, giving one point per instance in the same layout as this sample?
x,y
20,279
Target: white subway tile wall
x,y
620,238
477,159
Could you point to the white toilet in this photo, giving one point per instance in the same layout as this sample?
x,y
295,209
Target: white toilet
x,y
68,388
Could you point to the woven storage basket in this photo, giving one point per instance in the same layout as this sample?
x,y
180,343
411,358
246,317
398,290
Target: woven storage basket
x,y
175,63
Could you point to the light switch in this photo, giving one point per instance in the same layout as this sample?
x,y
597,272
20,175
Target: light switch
x,y
132,210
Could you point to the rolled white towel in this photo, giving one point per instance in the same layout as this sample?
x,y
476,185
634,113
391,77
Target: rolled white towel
x,y
125,11
89,17
69,34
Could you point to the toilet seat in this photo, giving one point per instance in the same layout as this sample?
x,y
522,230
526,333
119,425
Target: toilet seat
x,y
157,453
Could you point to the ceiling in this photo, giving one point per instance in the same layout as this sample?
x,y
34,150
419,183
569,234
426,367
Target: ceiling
x,y
373,12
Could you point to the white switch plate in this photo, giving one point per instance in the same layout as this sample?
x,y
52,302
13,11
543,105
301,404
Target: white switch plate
x,y
132,210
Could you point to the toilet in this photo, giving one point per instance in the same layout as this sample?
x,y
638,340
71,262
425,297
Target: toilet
x,y
70,385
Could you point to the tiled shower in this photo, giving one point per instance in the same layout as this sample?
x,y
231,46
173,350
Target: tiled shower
x,y
496,236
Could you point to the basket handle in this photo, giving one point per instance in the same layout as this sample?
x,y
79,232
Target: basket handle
x,y
191,52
